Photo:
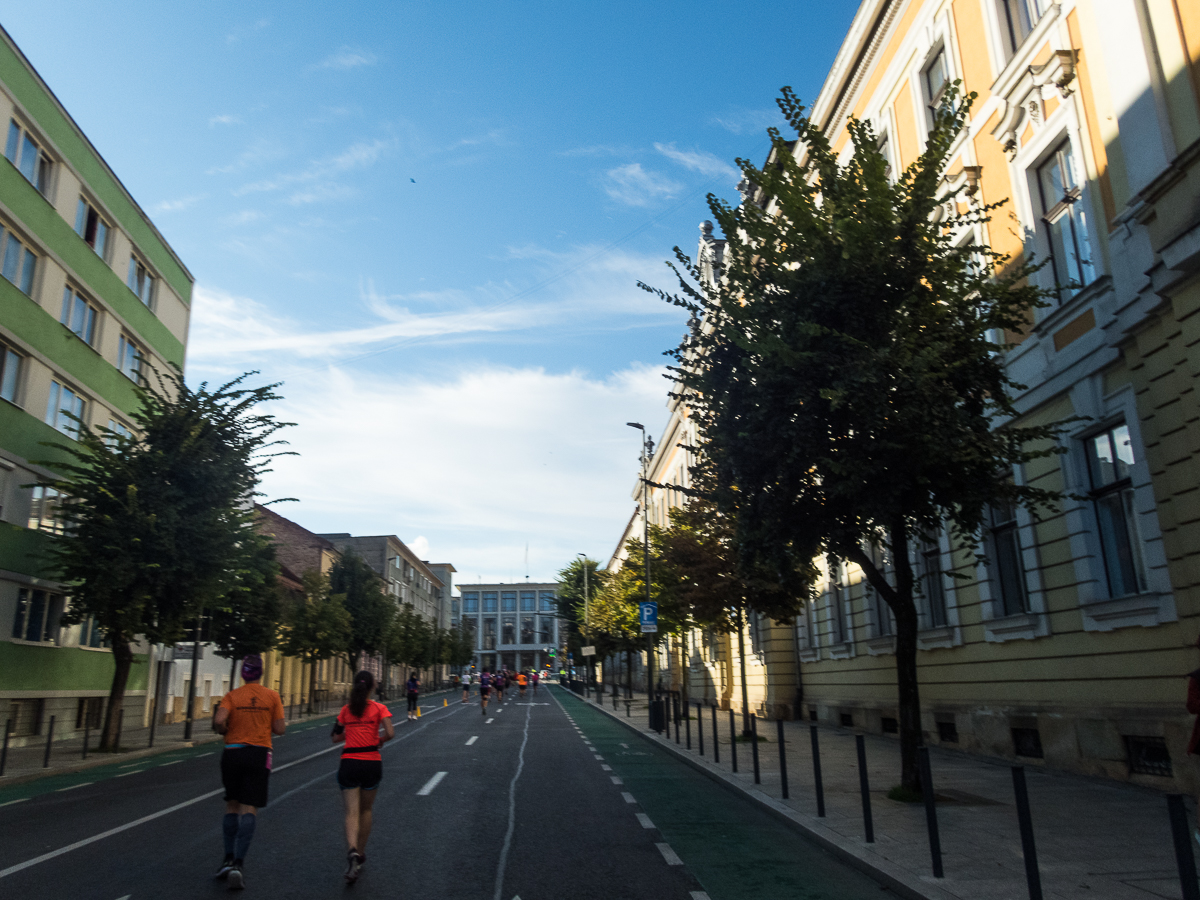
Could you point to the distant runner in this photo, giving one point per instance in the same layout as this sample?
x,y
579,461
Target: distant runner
x,y
522,681
247,716
485,688
466,686
413,688
534,679
362,765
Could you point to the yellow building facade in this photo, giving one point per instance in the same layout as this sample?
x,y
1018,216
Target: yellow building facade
x,y
1069,644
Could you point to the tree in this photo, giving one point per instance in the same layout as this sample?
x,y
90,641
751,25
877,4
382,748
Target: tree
x,y
460,647
572,600
317,626
409,638
371,612
845,373
248,619
153,521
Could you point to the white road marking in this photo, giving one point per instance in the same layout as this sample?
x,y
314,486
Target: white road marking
x,y
134,772
512,811
669,855
129,765
628,797
72,787
626,746
11,802
616,779
489,721
126,897
431,784
202,755
472,740
171,763
598,756
700,895
606,768
500,710
644,820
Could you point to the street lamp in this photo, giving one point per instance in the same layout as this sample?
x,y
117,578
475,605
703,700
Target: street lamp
x,y
646,558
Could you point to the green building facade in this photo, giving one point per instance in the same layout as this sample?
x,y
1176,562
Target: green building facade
x,y
90,296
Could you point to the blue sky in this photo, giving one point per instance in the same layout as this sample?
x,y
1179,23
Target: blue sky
x,y
430,224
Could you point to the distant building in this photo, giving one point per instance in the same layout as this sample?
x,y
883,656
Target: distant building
x,y
514,625
90,296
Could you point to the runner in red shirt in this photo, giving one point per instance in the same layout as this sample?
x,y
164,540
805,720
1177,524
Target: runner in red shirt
x,y
361,770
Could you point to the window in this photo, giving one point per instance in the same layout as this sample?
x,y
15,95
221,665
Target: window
x,y
508,601
90,634
936,79
931,585
489,634
30,159
120,432
43,510
19,262
489,601
547,598
129,359
140,281
509,634
66,409
810,620
837,607
885,150
36,616
90,226
27,717
471,603
1020,16
528,601
1066,221
1007,568
78,315
1110,457
10,374
88,713
527,633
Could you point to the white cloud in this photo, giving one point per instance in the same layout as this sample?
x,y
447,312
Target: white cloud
x,y
699,161
224,120
348,58
245,217
634,186
182,203
740,121
420,546
357,156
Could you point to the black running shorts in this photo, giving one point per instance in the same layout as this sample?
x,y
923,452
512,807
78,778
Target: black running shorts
x,y
360,773
245,775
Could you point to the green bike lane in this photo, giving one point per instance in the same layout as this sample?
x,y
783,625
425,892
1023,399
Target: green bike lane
x,y
733,848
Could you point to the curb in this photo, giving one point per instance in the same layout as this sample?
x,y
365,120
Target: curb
x,y
900,881
102,759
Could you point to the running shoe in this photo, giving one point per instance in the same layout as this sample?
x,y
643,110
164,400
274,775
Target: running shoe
x,y
224,868
354,863
234,880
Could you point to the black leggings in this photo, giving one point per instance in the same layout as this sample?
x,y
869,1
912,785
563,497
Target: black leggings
x,y
412,701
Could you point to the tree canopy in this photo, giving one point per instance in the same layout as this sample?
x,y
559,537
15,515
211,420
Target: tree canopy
x,y
371,611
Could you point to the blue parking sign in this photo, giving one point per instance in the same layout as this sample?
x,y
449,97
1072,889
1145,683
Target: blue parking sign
x,y
649,617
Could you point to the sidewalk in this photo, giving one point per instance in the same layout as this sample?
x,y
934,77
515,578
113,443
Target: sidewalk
x,y
25,764
1095,839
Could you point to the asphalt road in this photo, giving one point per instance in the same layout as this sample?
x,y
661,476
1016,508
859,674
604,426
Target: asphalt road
x,y
529,805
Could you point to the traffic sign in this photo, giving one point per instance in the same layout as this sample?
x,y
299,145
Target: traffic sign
x,y
588,651
649,617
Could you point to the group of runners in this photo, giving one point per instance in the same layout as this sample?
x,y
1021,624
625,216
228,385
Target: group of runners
x,y
251,715
499,682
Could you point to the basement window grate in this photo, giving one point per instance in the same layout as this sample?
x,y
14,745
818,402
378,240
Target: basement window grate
x,y
947,732
847,720
1148,756
1027,742
889,725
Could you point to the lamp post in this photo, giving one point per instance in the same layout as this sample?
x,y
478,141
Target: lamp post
x,y
587,630
646,557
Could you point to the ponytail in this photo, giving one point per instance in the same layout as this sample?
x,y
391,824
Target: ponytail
x,y
363,683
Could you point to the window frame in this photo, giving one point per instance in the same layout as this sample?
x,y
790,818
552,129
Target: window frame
x,y
12,367
52,608
54,409
73,299
27,260
1121,488
14,152
1070,208
132,368
86,225
933,100
140,272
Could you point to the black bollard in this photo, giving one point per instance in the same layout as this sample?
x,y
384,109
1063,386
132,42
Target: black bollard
x,y
716,737
816,750
1033,876
935,841
687,727
700,727
754,747
4,749
49,738
153,719
1183,848
864,788
87,732
120,727
782,757
732,739
675,708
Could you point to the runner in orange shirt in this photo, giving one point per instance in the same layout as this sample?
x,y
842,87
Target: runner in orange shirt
x,y
362,765
247,716
522,681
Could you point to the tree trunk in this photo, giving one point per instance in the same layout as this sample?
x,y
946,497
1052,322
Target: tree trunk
x,y
123,663
312,683
742,665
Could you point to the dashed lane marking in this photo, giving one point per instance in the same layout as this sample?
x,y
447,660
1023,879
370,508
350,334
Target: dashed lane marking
x,y
431,784
489,721
700,895
598,756
644,820
472,740
209,753
11,802
171,763
606,768
669,855
628,797
133,772
73,786
616,779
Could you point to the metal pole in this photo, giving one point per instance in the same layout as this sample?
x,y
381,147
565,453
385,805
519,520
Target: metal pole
x,y
716,737
700,727
191,700
782,757
1183,849
816,751
675,709
1033,876
87,729
935,841
687,726
153,718
49,738
733,738
864,788
754,746
4,750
